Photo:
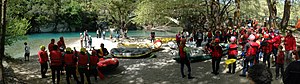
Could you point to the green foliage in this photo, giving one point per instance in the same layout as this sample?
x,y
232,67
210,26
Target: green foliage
x,y
16,29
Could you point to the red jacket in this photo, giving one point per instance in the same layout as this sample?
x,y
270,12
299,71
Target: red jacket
x,y
70,60
268,48
232,50
93,60
50,47
277,41
55,58
182,53
280,58
290,43
43,56
61,44
216,51
83,60
177,37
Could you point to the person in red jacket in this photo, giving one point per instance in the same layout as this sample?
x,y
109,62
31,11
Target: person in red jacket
x,y
93,64
51,44
184,59
178,37
55,63
83,64
232,54
251,49
216,53
290,46
267,46
61,44
70,65
279,63
276,43
43,60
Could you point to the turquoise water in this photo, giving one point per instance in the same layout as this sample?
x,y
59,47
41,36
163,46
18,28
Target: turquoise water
x,y
132,33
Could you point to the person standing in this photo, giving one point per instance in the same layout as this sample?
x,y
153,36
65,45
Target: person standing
x,y
90,41
276,43
97,32
184,59
266,46
55,63
279,63
27,51
93,64
86,38
216,53
51,44
232,54
43,60
103,34
61,44
70,65
251,50
290,46
81,40
178,37
200,38
83,64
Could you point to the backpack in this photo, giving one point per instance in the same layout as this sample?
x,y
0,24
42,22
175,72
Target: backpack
x,y
232,51
252,50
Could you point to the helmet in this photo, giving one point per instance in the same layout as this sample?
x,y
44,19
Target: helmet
x,y
217,40
251,37
68,49
82,50
42,47
276,32
266,35
232,39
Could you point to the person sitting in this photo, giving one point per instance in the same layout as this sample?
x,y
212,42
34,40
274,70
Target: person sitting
x,y
102,51
259,74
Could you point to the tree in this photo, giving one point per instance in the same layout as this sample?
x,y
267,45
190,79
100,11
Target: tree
x,y
2,38
286,14
272,12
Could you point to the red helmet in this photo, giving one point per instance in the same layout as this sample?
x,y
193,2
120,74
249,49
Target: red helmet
x,y
266,35
217,40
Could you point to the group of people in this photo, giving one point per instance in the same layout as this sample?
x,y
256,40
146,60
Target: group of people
x,y
86,39
64,58
256,43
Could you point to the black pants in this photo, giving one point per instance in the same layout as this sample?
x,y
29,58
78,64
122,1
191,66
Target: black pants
x,y
267,59
71,71
57,70
93,71
279,66
82,72
44,68
199,41
178,43
97,35
188,65
216,64
233,65
26,55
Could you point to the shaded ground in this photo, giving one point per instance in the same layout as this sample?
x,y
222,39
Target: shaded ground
x,y
160,70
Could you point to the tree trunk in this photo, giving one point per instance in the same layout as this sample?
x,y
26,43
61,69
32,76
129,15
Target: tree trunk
x,y
272,12
2,38
237,13
286,14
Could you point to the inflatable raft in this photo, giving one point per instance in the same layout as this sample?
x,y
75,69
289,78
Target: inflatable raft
x,y
108,64
130,52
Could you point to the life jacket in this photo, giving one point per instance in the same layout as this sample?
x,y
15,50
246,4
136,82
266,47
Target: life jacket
x,y
70,60
43,56
182,53
209,35
232,51
83,60
56,58
177,37
277,41
93,60
252,50
267,46
216,51
280,58
290,43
